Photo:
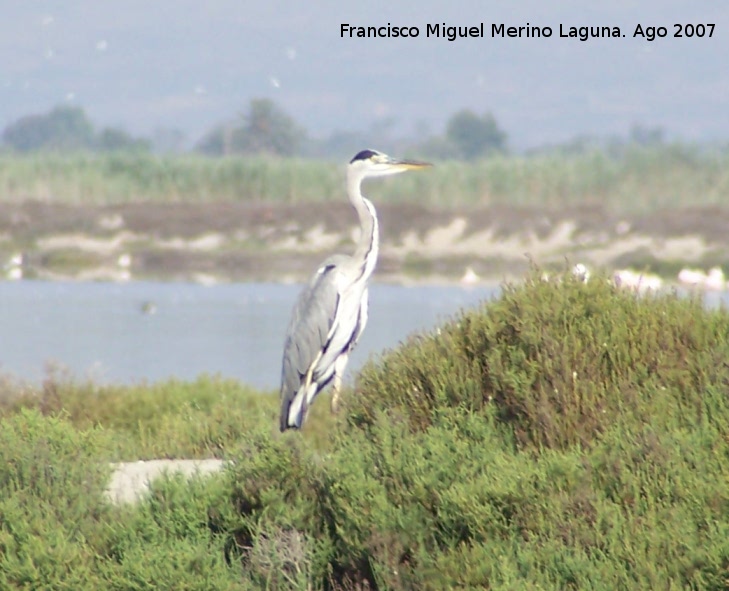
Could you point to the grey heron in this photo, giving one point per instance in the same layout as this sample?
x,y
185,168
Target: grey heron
x,y
331,311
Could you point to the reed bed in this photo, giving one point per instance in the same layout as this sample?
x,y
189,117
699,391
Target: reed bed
x,y
638,179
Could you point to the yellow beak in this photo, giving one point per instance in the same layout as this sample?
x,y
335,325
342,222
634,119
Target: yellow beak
x,y
408,164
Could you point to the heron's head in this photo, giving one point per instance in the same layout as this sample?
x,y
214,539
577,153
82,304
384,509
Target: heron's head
x,y
371,163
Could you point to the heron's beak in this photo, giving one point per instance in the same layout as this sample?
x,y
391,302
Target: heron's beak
x,y
407,164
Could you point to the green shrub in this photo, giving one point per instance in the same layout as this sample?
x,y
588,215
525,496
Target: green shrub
x,y
167,542
280,538
50,516
167,419
562,436
559,361
57,531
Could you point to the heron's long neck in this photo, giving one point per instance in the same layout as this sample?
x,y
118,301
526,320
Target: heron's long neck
x,y
369,240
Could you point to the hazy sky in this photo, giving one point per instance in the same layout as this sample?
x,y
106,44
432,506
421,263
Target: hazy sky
x,y
187,64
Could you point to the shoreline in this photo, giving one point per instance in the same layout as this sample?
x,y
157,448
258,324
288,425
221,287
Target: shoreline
x,y
234,242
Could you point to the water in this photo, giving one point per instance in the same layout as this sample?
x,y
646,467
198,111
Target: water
x,y
106,332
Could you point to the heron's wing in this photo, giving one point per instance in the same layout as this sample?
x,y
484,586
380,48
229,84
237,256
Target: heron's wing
x,y
313,319
311,330
361,318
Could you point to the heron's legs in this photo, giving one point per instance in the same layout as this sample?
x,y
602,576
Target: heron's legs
x,y
336,389
339,365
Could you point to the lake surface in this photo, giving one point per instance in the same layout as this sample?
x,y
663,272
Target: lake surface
x,y
151,331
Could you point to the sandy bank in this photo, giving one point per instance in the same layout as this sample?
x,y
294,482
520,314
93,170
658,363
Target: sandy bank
x,y
264,242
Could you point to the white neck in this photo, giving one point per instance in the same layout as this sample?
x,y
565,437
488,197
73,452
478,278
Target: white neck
x,y
369,240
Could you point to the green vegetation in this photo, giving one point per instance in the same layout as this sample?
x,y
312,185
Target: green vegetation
x,y
637,179
124,177
563,436
264,129
474,137
66,128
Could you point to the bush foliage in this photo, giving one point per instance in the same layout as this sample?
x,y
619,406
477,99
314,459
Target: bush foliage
x,y
558,363
562,436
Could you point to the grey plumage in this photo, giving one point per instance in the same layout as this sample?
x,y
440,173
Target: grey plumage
x,y
313,333
331,311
